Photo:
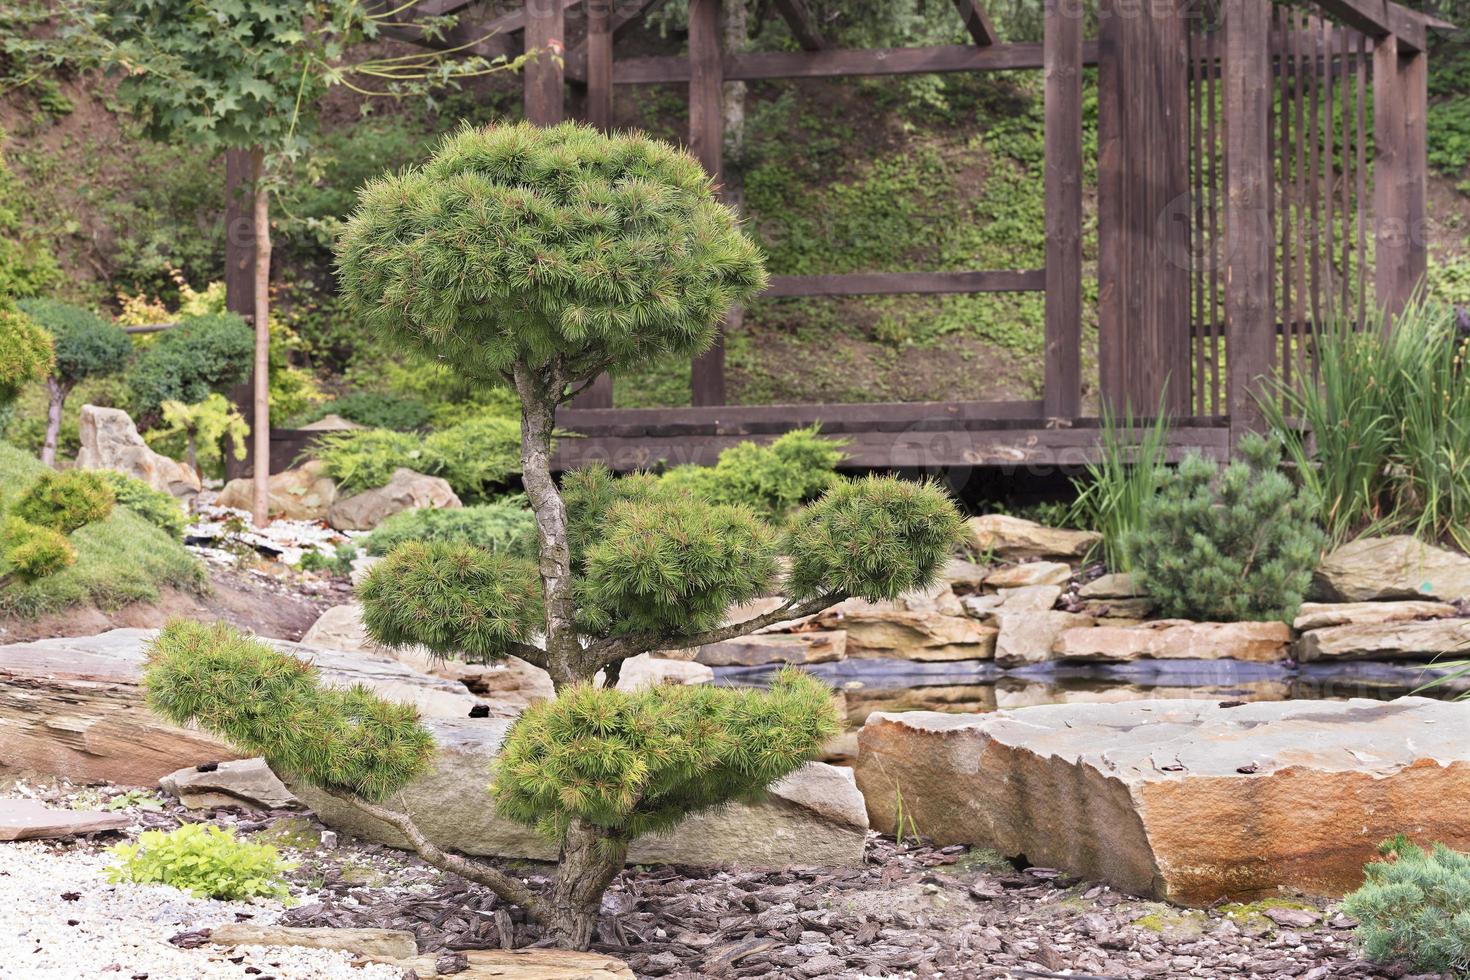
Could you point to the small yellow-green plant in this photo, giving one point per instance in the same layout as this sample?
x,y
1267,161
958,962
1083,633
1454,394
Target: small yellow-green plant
x,y
203,860
1415,905
208,428
773,479
506,525
160,509
34,537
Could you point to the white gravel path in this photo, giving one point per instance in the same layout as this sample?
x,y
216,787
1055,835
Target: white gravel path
x,y
122,931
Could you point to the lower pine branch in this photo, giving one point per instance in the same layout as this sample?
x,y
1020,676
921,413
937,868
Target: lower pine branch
x,y
510,889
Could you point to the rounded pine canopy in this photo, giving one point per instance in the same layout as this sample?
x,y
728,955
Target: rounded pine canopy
x,y
521,243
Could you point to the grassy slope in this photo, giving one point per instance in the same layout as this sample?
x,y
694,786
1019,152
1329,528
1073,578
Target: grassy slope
x,y
122,559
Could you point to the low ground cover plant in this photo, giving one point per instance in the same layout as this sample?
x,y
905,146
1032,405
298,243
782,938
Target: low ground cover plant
x,y
160,509
1415,906
203,860
1228,543
538,259
475,457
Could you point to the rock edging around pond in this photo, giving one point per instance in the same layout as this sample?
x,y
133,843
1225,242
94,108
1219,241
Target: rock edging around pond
x,y
1185,801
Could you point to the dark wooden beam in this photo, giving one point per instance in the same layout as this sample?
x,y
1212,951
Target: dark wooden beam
x,y
894,283
840,62
1062,53
706,143
1250,323
803,25
1399,105
977,22
1377,18
623,18
545,95
598,46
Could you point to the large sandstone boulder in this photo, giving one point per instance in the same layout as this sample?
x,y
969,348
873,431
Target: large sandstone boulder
x,y
1418,640
405,490
73,707
1188,801
1174,639
1012,538
1397,567
815,816
305,493
110,441
917,626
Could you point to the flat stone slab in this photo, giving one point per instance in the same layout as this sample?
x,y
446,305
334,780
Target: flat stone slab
x,y
1394,567
1015,537
240,782
378,944
1177,639
527,964
31,820
811,647
73,706
1187,801
815,816
1318,615
1425,639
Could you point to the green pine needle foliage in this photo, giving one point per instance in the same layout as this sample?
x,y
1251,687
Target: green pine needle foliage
x,y
774,479
1415,905
266,703
453,598
521,242
205,861
474,457
34,552
64,501
639,763
1237,543
86,344
26,354
202,354
505,526
876,537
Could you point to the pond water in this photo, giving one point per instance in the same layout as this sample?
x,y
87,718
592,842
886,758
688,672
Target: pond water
x,y
869,685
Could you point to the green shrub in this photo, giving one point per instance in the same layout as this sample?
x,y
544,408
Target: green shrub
x,y
65,501
474,457
160,509
205,861
635,764
773,479
500,527
273,705
34,552
336,562
201,355
120,560
1236,543
372,409
86,345
1415,905
26,354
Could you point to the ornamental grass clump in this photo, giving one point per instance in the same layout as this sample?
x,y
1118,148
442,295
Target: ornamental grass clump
x,y
539,259
1232,543
1415,906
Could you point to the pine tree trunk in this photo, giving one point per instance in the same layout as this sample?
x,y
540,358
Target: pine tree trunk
x,y
56,395
590,859
261,424
538,419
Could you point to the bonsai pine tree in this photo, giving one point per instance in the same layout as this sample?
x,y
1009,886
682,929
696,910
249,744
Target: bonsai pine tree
x,y
86,345
539,258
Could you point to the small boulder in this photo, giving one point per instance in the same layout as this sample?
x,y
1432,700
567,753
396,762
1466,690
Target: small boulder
x,y
1396,567
305,493
1417,640
405,490
1013,538
34,820
1028,637
1030,573
110,441
331,422
813,647
1117,585
647,670
239,782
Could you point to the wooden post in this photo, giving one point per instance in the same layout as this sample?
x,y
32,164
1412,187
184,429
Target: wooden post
x,y
545,27
260,420
1062,54
1250,334
239,275
1143,205
1399,105
706,142
599,45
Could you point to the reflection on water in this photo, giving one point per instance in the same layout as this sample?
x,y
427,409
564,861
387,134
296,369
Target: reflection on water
x,y
970,686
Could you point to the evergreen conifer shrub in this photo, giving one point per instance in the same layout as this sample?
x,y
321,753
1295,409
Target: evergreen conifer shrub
x,y
538,259
1232,543
1415,905
86,345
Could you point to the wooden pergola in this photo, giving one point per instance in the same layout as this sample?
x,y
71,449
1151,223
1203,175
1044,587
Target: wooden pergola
x,y
1236,209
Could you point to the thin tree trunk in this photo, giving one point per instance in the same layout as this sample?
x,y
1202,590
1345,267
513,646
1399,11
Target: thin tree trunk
x,y
56,398
261,424
590,859
538,419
